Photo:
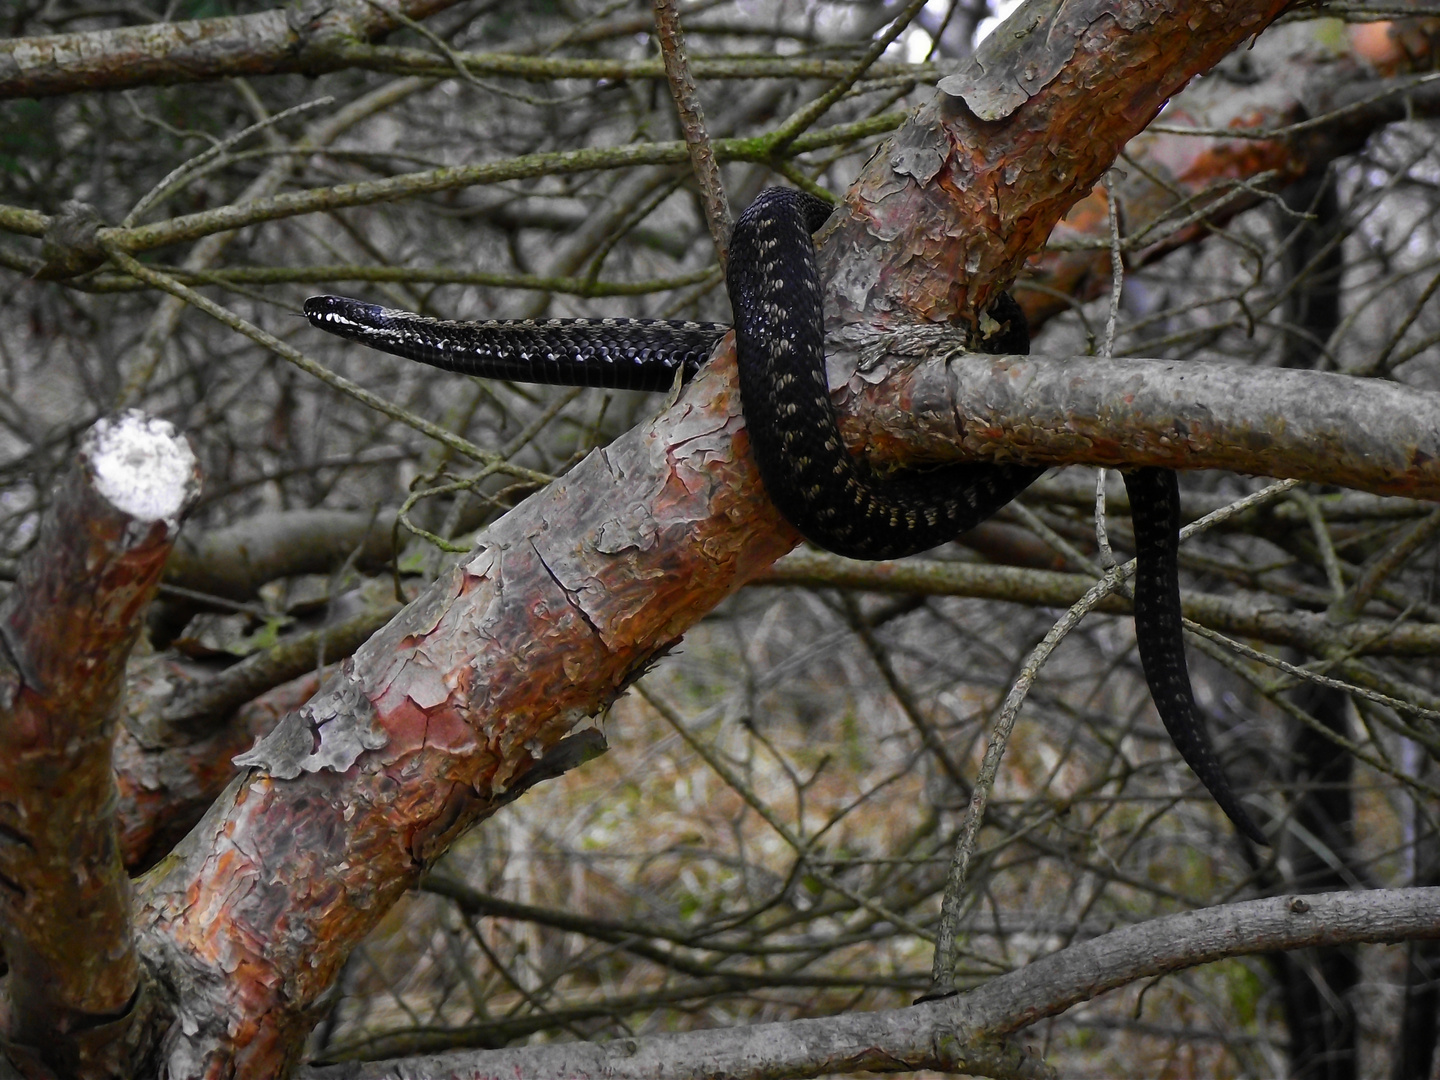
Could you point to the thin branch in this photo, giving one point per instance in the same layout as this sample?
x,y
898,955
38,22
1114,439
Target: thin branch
x,y
692,125
408,185
324,374
955,1034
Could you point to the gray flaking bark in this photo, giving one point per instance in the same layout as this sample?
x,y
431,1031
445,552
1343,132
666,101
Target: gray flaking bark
x,y
1008,68
1038,41
329,732
1366,434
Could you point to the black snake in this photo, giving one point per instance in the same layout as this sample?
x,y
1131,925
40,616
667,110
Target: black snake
x,y
836,500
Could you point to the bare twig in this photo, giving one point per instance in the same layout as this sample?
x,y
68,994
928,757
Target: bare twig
x,y
325,375
692,125
942,974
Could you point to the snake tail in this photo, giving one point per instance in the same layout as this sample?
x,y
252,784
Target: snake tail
x,y
835,500
1155,510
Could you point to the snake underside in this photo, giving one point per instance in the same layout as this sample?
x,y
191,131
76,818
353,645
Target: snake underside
x,y
836,500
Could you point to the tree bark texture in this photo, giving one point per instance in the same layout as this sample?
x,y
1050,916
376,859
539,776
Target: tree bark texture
x,y
1376,436
167,776
438,716
68,626
943,217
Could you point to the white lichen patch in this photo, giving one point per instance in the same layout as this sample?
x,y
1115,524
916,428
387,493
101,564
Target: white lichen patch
x,y
142,466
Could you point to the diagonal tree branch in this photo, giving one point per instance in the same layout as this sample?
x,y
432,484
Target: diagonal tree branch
x,y
976,179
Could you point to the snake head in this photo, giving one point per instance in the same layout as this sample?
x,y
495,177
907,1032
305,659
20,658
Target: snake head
x,y
1004,330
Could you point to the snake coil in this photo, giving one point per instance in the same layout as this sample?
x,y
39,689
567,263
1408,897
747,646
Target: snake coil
x,y
837,501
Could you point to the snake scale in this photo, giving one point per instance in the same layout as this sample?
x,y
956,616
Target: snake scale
x,y
835,500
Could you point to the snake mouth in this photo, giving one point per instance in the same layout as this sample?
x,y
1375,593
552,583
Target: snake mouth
x,y
334,313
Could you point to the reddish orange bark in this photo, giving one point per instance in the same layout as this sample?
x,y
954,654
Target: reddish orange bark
x,y
68,626
165,783
570,596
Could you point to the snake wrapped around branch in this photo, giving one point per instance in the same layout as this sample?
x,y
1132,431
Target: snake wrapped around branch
x,y
835,500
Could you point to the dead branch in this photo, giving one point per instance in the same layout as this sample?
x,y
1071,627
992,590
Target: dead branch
x,y
309,39
1249,616
955,1034
68,626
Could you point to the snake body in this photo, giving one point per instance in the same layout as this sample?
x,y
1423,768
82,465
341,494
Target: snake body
x,y
837,501
620,354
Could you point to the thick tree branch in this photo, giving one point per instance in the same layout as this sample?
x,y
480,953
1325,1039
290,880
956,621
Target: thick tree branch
x,y
167,778
568,598
314,38
67,627
234,562
309,38
976,179
1374,436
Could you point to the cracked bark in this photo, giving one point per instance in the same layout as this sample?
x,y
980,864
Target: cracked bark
x,y
566,599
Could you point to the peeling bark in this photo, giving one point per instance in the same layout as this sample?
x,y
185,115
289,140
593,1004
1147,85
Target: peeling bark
x,y
940,219
167,778
439,716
